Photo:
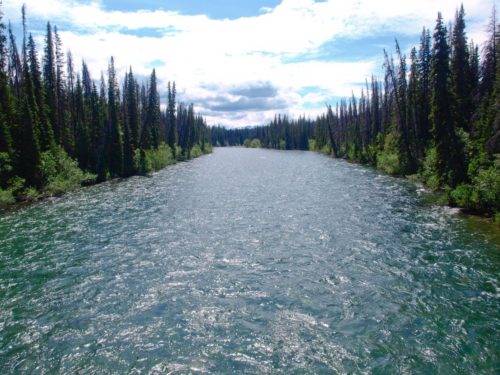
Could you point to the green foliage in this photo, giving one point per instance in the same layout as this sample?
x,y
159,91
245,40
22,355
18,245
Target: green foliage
x,y
312,145
483,194
326,149
196,151
160,157
388,159
30,194
6,197
154,159
61,173
371,153
429,173
254,143
14,186
207,149
141,163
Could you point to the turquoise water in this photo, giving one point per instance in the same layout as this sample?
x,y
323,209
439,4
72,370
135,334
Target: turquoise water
x,y
248,261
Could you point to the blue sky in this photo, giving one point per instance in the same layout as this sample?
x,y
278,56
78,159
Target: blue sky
x,y
217,9
240,61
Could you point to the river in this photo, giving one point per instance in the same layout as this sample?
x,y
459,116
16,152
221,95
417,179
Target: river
x,y
248,261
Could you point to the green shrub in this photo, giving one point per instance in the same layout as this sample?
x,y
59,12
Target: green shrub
x,y
6,197
141,162
326,149
462,196
388,159
146,161
160,157
196,151
255,143
483,194
429,172
30,194
207,149
61,173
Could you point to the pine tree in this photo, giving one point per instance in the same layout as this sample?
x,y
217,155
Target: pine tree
x,y
67,128
103,157
29,160
145,130
132,109
424,64
153,116
82,133
130,116
449,162
171,119
460,73
6,100
50,78
39,109
60,133
414,108
115,145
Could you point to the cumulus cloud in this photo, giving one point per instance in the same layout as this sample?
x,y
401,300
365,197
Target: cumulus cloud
x,y
242,71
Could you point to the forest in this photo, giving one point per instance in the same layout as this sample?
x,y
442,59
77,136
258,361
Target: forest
x,y
60,129
434,118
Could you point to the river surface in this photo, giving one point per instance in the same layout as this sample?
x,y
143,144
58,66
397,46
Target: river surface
x,y
248,261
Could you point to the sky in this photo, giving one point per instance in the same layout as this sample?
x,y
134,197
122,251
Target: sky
x,y
241,62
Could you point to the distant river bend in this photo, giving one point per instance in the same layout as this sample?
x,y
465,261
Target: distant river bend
x,y
248,261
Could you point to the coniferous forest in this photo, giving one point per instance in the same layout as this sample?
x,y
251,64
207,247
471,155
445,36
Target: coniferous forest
x,y
59,128
434,117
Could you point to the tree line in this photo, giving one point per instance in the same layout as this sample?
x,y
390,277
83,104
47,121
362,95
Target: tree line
x,y
435,117
60,128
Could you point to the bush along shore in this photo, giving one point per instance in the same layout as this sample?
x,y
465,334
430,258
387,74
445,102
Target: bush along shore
x,y
61,129
434,119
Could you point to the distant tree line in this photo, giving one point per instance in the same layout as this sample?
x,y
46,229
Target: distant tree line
x,y
436,117
59,128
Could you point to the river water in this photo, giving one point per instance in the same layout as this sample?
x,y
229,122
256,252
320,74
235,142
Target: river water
x,y
248,261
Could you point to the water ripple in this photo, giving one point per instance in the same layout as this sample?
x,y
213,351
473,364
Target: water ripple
x,y
248,261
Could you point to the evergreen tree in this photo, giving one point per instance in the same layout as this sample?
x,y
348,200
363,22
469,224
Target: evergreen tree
x,y
60,133
6,101
29,160
449,162
115,141
153,117
39,108
50,78
460,73
424,64
171,119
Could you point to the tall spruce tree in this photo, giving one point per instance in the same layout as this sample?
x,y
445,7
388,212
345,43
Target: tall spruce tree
x,y
153,116
39,107
115,140
460,73
50,78
171,119
449,162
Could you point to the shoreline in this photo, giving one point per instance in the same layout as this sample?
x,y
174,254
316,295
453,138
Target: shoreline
x,y
42,197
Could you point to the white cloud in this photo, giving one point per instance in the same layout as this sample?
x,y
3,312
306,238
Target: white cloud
x,y
203,52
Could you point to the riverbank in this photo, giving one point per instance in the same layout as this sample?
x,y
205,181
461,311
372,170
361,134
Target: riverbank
x,y
66,176
439,197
